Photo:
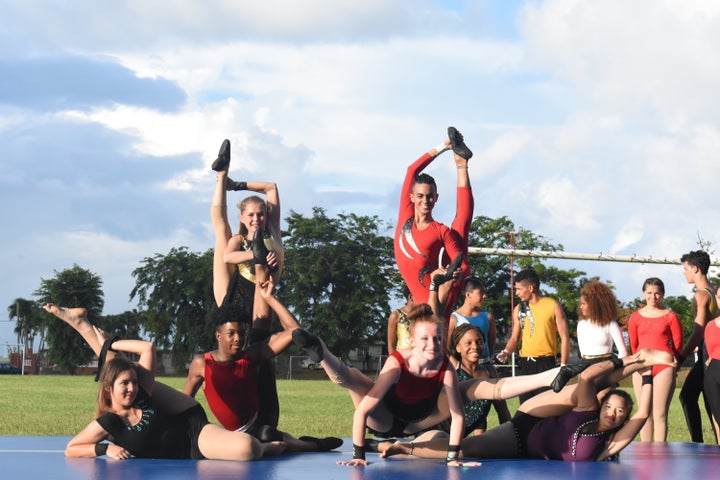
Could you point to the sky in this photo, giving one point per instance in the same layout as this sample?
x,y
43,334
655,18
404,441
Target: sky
x,y
594,124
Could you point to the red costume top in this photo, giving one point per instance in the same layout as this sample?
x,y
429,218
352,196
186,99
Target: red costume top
x,y
412,397
231,390
417,251
659,333
712,339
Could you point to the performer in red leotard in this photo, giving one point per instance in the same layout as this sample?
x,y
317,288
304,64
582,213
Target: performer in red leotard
x,y
419,238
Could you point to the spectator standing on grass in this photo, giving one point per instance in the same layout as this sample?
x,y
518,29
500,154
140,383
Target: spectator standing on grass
x,y
656,326
696,265
711,381
597,328
537,323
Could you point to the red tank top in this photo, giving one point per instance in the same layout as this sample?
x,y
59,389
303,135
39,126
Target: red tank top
x,y
231,390
411,389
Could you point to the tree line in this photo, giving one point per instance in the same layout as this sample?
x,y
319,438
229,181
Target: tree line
x,y
339,279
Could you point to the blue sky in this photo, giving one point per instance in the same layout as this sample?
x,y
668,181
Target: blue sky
x,y
594,124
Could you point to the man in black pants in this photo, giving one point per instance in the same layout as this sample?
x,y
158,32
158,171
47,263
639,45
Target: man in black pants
x,y
695,267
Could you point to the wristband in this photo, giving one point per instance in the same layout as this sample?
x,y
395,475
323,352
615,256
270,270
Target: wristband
x,y
461,167
453,453
358,452
647,379
617,363
441,148
100,449
241,186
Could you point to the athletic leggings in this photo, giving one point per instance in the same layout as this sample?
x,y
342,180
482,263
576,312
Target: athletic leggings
x,y
711,387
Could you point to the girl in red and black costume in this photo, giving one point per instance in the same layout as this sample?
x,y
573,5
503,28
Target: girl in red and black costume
x,y
416,389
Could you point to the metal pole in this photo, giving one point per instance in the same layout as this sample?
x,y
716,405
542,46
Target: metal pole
x,y
578,256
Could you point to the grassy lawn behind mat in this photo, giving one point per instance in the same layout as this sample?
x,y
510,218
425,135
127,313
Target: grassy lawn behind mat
x,y
63,405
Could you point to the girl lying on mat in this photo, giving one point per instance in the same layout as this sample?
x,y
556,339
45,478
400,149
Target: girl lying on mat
x,y
576,424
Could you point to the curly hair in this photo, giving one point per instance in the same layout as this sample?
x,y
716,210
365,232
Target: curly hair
x,y
602,305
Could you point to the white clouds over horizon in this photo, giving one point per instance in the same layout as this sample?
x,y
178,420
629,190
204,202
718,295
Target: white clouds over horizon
x,y
594,123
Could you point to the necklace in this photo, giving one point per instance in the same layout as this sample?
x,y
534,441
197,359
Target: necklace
x,y
579,432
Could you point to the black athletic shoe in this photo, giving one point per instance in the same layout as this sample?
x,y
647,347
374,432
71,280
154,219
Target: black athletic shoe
x,y
372,444
441,278
457,143
566,373
324,444
223,160
259,250
308,342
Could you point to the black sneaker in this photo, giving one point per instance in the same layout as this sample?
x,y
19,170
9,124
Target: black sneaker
x,y
308,342
223,160
457,143
324,444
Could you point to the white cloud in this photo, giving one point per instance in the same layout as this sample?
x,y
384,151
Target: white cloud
x,y
594,124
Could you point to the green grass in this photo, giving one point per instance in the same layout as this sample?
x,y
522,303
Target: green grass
x,y
63,405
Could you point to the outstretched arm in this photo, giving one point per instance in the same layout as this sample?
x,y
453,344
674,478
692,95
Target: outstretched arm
x,y
388,376
287,319
627,432
457,411
83,444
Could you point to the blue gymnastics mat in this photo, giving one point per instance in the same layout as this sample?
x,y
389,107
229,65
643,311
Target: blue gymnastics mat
x,y
43,458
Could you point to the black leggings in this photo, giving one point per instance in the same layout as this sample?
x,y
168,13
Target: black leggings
x,y
508,440
711,387
689,397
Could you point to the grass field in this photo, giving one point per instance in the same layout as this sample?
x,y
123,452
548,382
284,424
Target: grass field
x,y
63,405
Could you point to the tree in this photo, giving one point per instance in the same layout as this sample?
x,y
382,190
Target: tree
x,y
73,287
176,292
338,276
28,321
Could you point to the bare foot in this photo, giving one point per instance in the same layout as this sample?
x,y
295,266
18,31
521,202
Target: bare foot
x,y
388,449
273,449
650,357
75,317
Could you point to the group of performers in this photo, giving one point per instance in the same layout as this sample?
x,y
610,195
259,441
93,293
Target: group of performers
x,y
420,392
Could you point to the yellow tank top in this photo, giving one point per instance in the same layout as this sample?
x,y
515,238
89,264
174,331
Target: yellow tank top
x,y
539,329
